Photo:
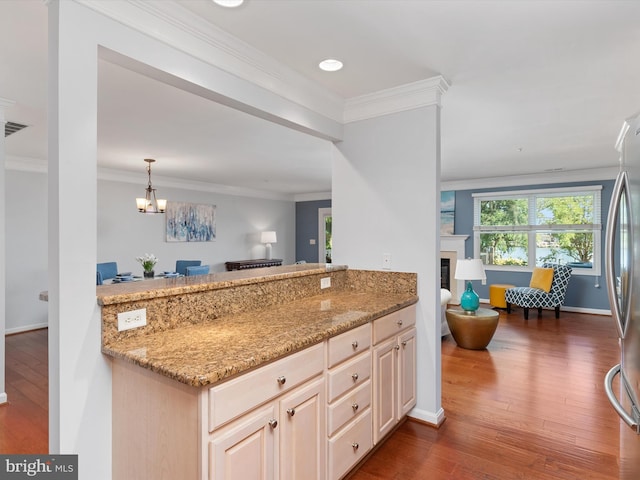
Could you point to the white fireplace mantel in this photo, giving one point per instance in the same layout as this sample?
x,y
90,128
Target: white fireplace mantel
x,y
453,247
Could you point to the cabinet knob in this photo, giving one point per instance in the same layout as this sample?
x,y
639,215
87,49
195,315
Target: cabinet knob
x,y
397,347
355,407
355,377
404,344
273,423
282,380
355,445
291,411
399,323
354,344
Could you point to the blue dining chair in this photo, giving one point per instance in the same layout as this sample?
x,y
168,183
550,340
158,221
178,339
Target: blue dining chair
x,y
106,271
197,270
181,265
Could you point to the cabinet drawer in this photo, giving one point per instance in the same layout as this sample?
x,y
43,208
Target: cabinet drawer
x,y
352,373
393,323
349,446
233,398
348,344
347,408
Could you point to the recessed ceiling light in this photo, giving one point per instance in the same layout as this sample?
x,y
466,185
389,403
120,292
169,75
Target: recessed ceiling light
x,y
229,3
330,65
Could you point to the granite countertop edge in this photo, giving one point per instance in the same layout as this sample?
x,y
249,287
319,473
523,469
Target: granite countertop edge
x,y
207,364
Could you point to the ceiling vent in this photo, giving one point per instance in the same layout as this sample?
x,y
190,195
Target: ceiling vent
x,y
12,127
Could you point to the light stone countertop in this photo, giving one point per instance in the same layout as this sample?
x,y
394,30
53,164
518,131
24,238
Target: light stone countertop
x,y
213,351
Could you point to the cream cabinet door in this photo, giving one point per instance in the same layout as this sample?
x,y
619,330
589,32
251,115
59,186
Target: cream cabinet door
x,y
303,432
406,372
384,388
247,448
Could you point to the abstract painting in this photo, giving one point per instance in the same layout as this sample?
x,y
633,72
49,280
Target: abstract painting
x,y
190,222
447,212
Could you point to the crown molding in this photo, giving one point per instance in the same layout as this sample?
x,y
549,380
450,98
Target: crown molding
x,y
312,197
397,99
567,176
26,164
172,24
127,177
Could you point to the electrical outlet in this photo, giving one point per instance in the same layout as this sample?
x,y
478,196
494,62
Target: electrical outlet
x,y
132,319
325,282
386,261
312,241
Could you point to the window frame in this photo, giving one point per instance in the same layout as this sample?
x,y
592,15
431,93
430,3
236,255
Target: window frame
x,y
532,228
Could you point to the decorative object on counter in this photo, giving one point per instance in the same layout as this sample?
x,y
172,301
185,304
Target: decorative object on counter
x,y
259,263
149,203
148,261
268,238
467,270
190,222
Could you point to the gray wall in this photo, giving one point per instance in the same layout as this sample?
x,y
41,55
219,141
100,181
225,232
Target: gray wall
x,y
307,228
124,234
582,291
26,254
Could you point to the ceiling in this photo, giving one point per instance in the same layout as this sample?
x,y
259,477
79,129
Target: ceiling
x,y
535,87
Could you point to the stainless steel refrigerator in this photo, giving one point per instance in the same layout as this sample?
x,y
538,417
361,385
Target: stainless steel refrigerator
x,y
622,260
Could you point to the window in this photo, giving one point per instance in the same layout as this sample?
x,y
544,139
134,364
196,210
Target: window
x,y
519,230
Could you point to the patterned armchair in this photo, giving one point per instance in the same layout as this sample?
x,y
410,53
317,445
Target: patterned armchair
x,y
528,297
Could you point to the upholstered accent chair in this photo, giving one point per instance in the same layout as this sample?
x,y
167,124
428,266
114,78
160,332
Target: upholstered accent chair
x,y
535,297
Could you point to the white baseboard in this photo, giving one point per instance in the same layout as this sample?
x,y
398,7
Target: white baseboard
x,y
431,418
591,311
3,398
25,328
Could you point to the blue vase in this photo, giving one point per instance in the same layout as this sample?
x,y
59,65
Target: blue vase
x,y
469,300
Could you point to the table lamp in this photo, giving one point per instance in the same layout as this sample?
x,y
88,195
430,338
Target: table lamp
x,y
268,238
467,270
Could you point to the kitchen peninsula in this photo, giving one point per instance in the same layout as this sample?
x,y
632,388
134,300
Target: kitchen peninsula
x,y
296,371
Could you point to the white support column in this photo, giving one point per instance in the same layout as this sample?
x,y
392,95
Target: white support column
x,y
4,104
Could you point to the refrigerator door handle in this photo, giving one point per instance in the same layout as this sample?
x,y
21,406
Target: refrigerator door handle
x,y
617,312
615,403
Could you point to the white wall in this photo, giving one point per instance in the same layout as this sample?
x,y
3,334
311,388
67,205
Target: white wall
x,y
26,265
386,200
124,234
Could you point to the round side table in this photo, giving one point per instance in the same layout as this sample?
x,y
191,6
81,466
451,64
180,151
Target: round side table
x,y
472,331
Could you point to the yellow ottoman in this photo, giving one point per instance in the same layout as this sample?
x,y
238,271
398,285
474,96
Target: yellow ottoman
x,y
496,294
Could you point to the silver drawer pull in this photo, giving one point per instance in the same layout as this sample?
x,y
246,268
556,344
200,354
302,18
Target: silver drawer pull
x,y
273,423
291,411
397,347
404,344
282,380
355,445
399,323
354,344
355,377
355,407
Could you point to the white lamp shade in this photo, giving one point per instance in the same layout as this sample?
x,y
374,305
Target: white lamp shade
x,y
268,237
470,269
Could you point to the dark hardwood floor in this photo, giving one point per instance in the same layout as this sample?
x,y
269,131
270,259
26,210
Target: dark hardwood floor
x,y
531,406
24,419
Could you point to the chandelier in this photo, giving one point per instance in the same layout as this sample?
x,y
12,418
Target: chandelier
x,y
149,204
